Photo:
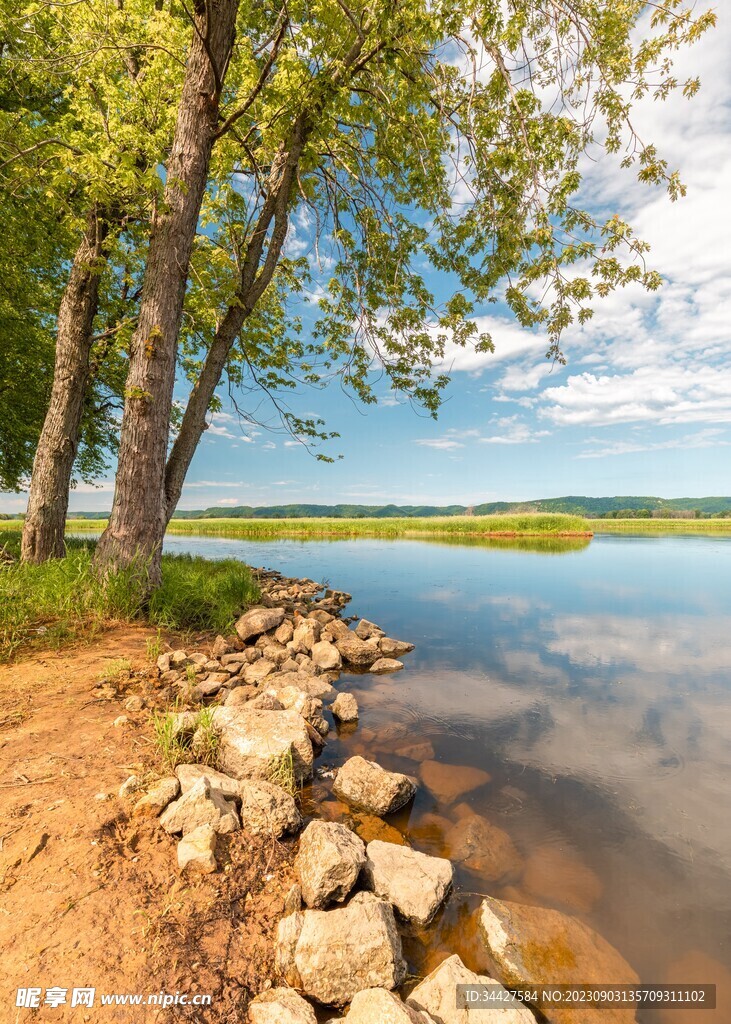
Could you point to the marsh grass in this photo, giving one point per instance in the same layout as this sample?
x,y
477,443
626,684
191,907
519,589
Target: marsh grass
x,y
454,526
695,526
64,600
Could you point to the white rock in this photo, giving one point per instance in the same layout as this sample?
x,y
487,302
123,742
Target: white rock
x,y
393,648
157,798
252,740
378,1006
436,995
257,621
326,656
345,707
306,635
331,955
197,850
328,863
281,1006
267,809
201,805
366,784
414,883
189,774
385,665
131,785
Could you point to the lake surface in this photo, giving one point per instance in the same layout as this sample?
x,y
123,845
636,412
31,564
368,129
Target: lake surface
x,y
593,684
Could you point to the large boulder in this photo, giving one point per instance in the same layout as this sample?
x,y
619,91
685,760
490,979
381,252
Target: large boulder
x,y
536,946
281,1006
352,649
436,995
201,805
252,742
257,621
365,784
189,774
328,863
483,848
197,851
326,656
414,883
267,809
331,955
365,630
378,1006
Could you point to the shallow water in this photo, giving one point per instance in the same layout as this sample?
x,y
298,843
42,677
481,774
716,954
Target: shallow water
x,y
592,683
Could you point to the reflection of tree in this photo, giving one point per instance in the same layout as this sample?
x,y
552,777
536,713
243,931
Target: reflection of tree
x,y
531,545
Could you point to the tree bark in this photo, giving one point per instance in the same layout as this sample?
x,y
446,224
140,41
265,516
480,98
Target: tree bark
x,y
136,527
48,499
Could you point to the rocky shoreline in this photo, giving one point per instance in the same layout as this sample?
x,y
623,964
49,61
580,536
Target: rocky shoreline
x,y
264,693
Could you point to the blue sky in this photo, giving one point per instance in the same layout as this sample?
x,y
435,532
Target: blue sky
x,y
643,405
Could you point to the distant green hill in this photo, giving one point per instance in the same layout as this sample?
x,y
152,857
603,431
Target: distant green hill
x,y
593,508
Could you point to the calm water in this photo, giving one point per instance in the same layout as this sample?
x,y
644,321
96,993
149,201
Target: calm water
x,y
594,686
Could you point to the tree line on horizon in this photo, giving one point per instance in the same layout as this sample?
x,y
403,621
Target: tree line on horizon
x,y
158,162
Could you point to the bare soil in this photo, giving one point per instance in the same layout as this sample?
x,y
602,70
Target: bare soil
x,y
90,897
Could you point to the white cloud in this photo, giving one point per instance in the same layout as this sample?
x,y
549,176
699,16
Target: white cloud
x,y
709,438
441,443
228,501
514,430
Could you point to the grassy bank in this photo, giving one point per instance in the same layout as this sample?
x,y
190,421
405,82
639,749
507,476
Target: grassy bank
x,y
707,526
63,600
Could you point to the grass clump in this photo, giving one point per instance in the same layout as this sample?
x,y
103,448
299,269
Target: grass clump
x,y
64,599
116,670
281,772
190,739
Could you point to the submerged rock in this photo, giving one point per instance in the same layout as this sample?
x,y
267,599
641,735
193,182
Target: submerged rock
x,y
449,781
197,850
414,883
367,785
436,995
483,848
533,945
328,863
252,742
281,1006
331,955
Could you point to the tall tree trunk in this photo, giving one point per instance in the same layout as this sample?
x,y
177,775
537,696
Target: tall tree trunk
x,y
43,532
137,523
255,279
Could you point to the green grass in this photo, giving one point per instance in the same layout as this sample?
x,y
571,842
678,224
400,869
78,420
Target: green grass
x,y
63,600
707,526
198,744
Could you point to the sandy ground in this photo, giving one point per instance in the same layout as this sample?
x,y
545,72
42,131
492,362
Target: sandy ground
x,y
90,897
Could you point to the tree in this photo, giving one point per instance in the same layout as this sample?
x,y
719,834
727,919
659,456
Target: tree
x,y
387,108
81,126
365,120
